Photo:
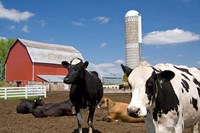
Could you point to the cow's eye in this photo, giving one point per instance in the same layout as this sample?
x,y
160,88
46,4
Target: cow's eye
x,y
150,87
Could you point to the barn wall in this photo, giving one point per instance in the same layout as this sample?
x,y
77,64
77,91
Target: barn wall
x,y
18,64
48,69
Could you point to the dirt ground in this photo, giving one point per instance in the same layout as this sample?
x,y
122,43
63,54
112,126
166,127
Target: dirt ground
x,y
11,122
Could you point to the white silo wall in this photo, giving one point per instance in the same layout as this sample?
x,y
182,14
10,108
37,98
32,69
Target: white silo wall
x,y
139,29
133,38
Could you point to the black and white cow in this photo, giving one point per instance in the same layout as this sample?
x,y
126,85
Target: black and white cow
x,y
166,95
28,105
86,89
54,109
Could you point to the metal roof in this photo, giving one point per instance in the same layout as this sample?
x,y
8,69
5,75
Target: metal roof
x,y
105,77
52,78
50,53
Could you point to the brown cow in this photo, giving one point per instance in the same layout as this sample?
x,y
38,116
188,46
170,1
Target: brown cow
x,y
117,111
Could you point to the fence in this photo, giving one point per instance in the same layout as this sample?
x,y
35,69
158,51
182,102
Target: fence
x,y
8,92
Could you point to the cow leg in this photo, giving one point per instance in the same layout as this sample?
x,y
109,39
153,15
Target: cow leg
x,y
194,128
90,118
79,119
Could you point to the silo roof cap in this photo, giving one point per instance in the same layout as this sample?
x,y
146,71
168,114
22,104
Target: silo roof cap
x,y
132,13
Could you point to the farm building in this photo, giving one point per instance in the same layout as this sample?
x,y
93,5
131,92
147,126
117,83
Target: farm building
x,y
31,61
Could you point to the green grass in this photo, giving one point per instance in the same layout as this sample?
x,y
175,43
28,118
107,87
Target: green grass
x,y
4,84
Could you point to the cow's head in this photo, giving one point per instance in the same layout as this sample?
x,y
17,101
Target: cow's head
x,y
75,69
144,81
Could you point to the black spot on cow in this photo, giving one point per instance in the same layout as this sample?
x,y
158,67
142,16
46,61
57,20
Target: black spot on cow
x,y
185,85
151,88
185,76
196,82
194,103
198,89
183,70
166,99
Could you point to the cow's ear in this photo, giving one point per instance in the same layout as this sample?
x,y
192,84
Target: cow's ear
x,y
85,65
165,76
65,64
127,70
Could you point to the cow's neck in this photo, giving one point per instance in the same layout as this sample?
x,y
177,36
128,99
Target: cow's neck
x,y
81,82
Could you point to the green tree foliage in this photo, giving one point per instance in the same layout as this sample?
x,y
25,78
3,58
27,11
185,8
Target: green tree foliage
x,y
125,78
4,47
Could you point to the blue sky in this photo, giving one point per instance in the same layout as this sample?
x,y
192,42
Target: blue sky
x,y
170,28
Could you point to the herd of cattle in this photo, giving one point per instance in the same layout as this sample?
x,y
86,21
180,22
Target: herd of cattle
x,y
165,97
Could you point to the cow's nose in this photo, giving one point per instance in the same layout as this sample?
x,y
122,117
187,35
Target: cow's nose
x,y
66,80
134,112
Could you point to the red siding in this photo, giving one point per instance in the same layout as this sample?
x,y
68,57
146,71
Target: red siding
x,y
19,67
48,69
18,64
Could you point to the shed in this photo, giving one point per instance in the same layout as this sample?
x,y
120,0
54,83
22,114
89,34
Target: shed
x,y
32,61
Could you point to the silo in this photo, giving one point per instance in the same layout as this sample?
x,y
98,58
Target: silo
x,y
133,39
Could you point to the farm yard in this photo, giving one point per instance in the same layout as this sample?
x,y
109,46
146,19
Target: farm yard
x,y
11,122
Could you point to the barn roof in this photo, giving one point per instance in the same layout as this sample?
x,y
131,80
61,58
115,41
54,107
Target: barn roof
x,y
53,78
50,53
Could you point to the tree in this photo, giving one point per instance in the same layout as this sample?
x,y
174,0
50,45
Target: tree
x,y
125,78
4,47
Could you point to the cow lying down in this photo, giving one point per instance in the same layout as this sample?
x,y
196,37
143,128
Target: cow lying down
x,y
54,109
117,111
28,105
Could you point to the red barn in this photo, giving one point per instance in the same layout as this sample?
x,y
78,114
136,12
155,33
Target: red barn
x,y
36,61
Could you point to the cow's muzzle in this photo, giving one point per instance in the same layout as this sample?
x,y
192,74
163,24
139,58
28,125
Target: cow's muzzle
x,y
66,80
133,112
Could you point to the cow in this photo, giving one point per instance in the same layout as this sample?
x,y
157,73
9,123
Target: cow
x,y
166,95
28,105
86,89
124,85
54,109
117,111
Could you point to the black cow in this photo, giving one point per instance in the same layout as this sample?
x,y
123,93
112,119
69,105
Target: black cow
x,y
86,89
54,109
27,106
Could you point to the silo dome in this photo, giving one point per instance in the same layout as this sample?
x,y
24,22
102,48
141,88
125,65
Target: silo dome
x,y
132,13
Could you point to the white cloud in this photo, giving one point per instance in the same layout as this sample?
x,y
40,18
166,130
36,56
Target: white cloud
x,y
198,62
43,23
102,19
25,29
173,36
14,15
119,61
78,24
103,45
113,68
